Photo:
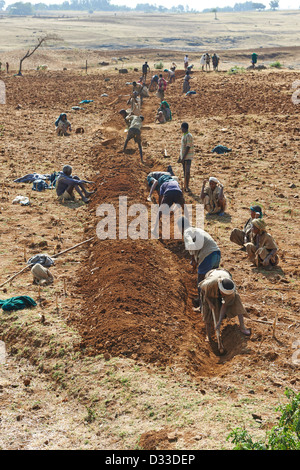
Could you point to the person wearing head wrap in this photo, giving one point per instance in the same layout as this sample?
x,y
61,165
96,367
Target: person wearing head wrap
x,y
203,61
41,274
220,299
165,108
160,118
212,196
66,183
204,251
63,126
240,237
262,249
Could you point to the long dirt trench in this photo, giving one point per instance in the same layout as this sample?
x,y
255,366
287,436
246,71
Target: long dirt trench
x,y
138,293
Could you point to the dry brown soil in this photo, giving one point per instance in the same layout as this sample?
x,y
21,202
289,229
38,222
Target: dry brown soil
x,y
121,360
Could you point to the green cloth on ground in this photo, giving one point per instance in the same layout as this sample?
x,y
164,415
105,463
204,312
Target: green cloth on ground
x,y
17,303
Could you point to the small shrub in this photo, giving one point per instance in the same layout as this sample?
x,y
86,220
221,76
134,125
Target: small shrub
x,y
91,415
284,436
234,70
159,65
276,64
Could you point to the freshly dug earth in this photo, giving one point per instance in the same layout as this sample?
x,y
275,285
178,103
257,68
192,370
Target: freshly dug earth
x,y
129,302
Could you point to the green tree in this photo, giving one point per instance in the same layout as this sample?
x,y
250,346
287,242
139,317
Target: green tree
x,y
274,4
20,8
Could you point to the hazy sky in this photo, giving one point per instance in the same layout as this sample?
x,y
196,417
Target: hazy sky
x,y
196,4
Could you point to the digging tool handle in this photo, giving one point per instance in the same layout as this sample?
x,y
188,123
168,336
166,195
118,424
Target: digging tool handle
x,y
15,275
72,247
58,254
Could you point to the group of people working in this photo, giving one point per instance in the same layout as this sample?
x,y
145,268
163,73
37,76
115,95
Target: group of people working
x,y
217,292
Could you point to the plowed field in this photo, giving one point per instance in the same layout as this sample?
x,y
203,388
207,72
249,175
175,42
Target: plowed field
x,y
131,300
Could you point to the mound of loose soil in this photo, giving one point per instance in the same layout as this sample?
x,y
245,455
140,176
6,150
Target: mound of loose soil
x,y
138,293
133,298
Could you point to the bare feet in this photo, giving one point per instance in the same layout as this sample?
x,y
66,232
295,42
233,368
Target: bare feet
x,y
246,331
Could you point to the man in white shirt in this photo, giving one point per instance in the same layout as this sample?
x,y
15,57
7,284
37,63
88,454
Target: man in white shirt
x,y
186,61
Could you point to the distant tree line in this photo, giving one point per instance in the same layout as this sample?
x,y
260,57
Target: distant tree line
x,y
27,8
246,6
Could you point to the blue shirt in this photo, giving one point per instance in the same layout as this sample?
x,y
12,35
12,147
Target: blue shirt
x,y
64,181
170,185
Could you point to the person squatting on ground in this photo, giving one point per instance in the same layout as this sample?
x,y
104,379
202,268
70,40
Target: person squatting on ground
x,y
165,108
219,300
186,154
241,237
205,253
160,118
262,250
63,126
213,196
41,275
134,132
66,183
